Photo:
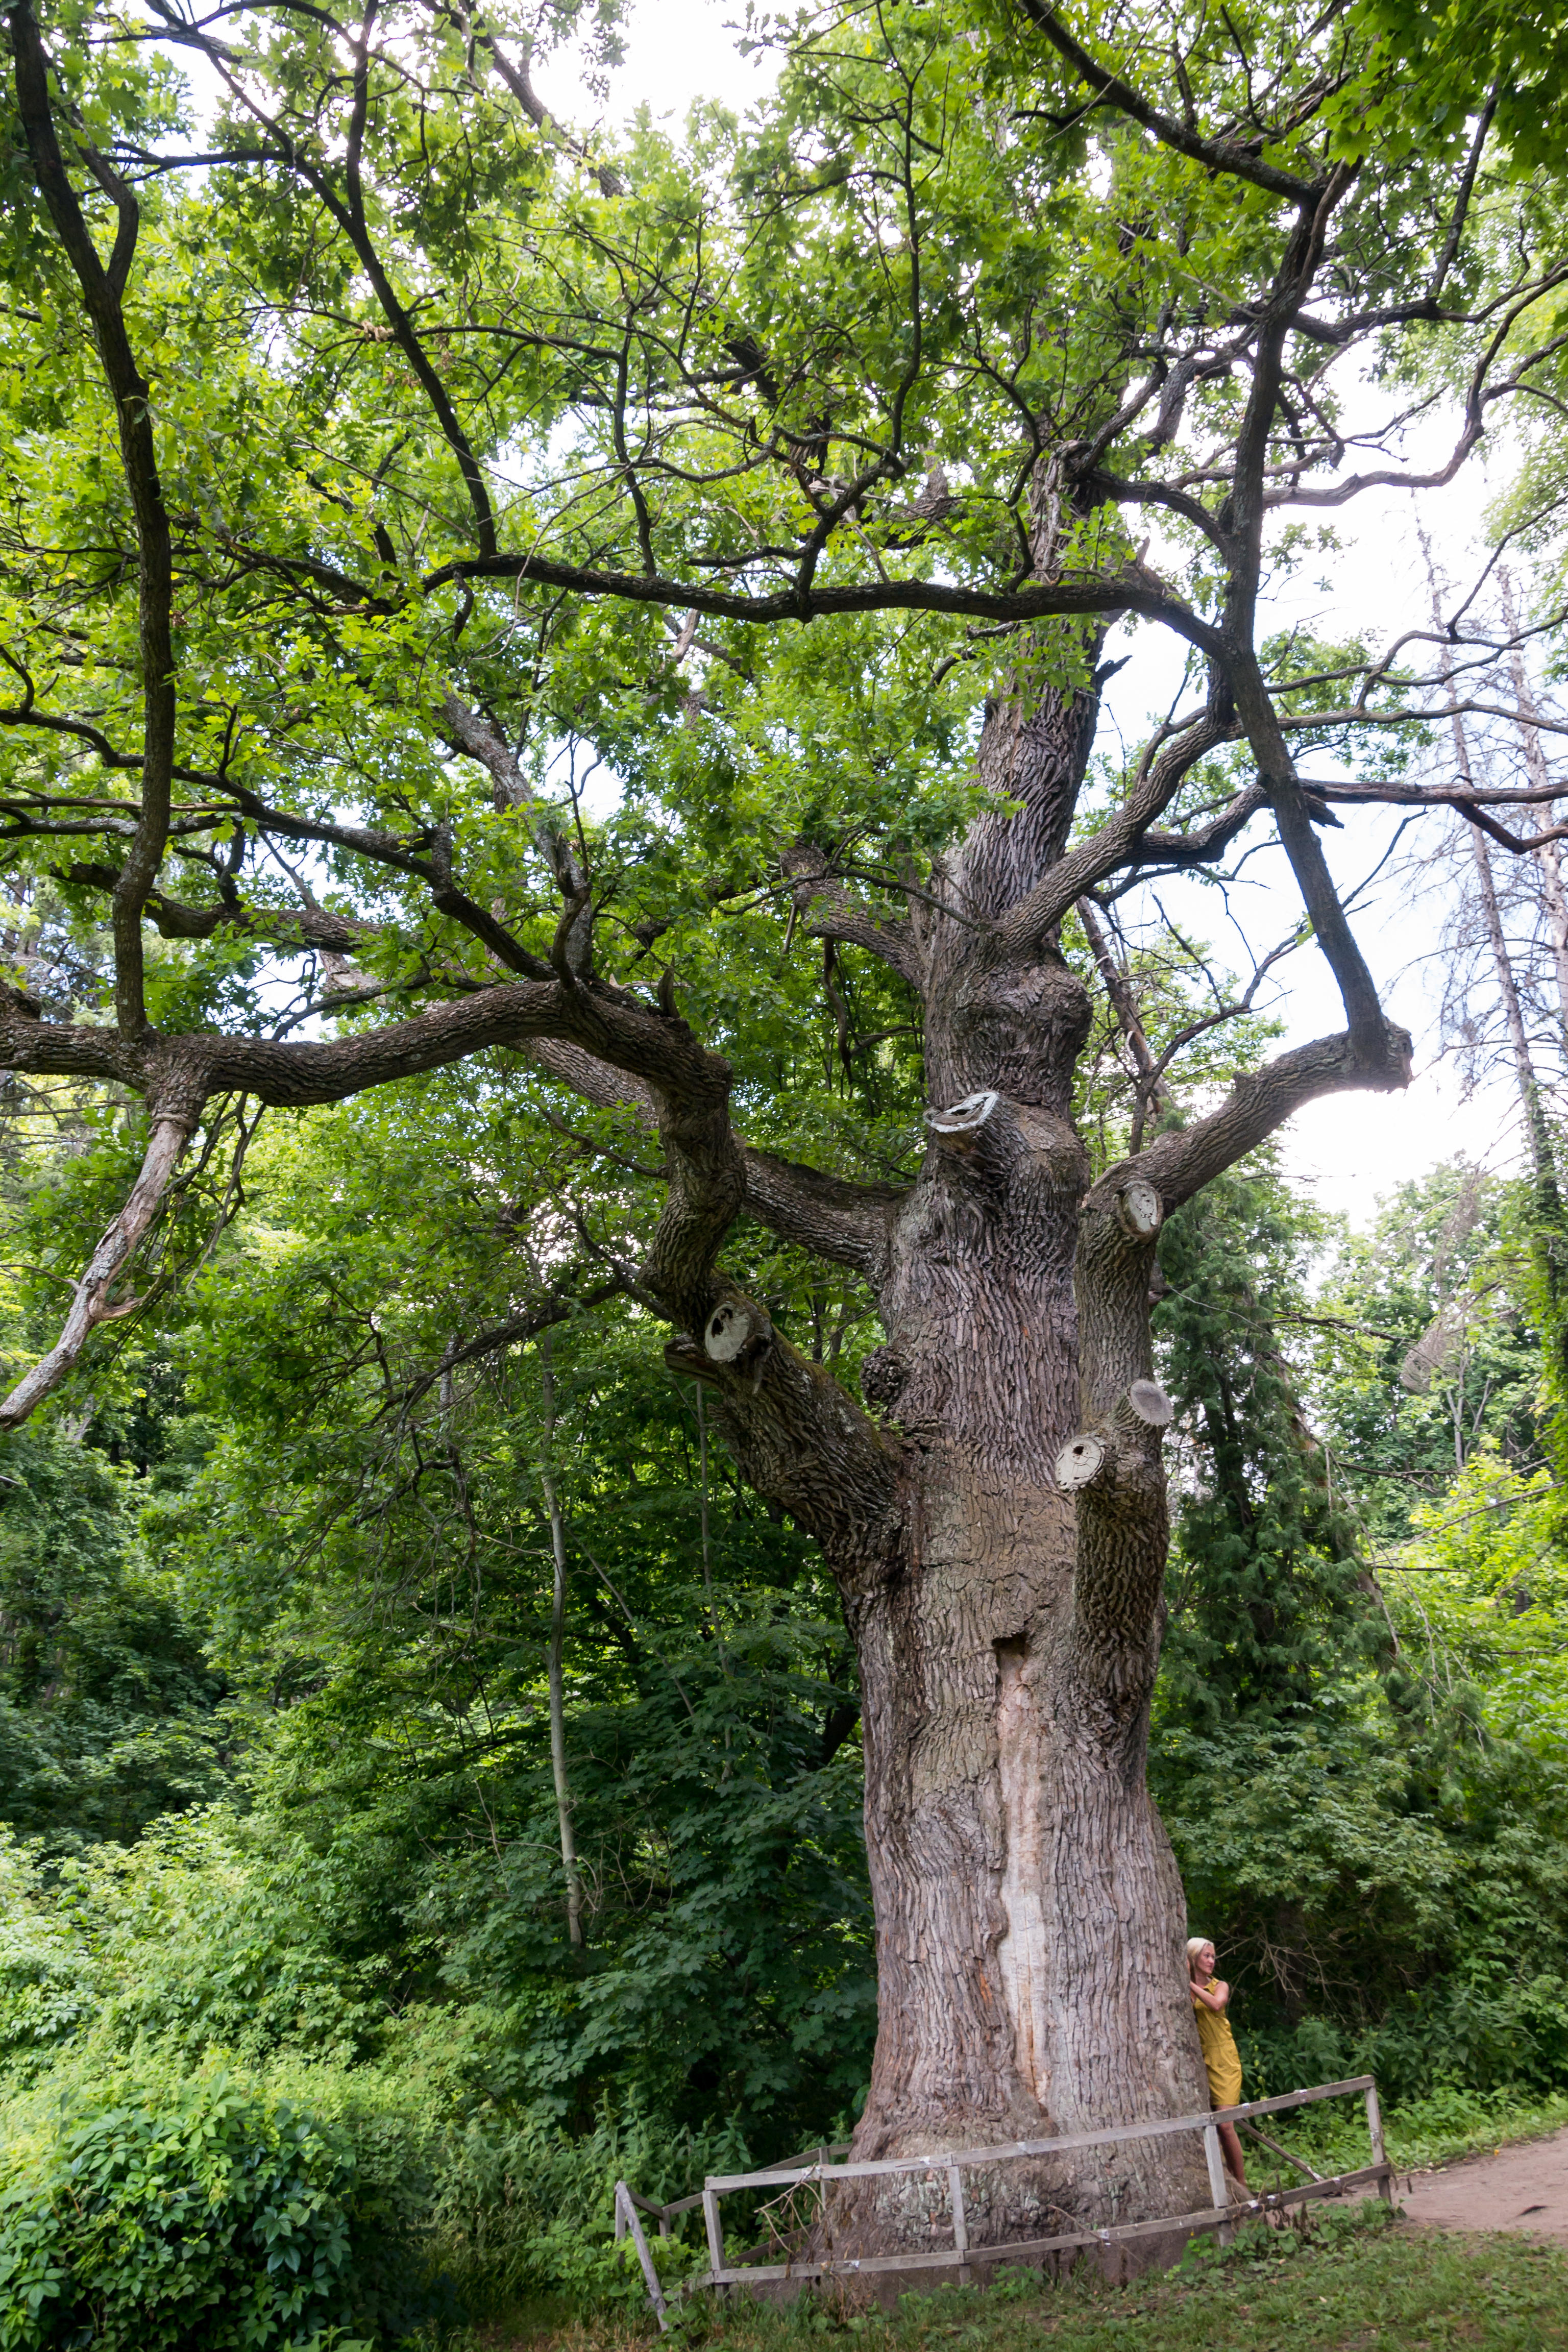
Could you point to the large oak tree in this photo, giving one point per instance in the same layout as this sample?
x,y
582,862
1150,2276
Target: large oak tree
x,y
383,455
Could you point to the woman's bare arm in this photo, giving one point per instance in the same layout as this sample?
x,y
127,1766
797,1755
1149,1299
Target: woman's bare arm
x,y
1214,1999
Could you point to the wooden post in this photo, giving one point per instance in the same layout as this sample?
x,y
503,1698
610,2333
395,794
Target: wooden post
x,y
960,2223
1217,2189
627,2218
715,2228
1375,2133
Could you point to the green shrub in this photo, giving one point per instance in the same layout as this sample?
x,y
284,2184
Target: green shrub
x,y
520,2208
196,2220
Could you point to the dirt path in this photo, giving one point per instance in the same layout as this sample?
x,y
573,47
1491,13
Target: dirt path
x,y
1523,2188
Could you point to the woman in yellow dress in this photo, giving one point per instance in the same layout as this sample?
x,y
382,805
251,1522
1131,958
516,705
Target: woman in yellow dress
x,y
1221,2057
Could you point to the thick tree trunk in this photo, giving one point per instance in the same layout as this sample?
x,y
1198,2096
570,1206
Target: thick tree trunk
x,y
1029,1915
1000,1542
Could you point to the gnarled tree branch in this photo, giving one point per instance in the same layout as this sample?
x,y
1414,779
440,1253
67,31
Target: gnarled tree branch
x,y
832,912
101,290
172,1127
1181,1163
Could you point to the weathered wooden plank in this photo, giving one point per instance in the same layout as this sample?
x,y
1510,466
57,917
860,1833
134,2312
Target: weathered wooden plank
x,y
626,2202
1275,2149
1375,2133
1010,2151
960,2222
1216,2162
715,2230
1031,2249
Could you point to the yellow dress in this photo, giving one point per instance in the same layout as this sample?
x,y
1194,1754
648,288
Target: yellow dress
x,y
1221,2056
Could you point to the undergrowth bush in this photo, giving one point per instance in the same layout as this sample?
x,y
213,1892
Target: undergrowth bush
x,y
1508,2034
187,2219
520,2208
172,2211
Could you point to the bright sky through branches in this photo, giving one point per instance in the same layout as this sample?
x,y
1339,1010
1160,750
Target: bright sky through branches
x,y
1352,1150
1354,1147
677,51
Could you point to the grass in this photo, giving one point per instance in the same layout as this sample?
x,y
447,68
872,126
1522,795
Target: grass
x,y
1342,2282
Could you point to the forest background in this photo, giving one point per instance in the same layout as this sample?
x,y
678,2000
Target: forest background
x,y
315,1629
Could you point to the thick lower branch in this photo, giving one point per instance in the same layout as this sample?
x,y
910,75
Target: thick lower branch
x,y
846,1224
799,1439
831,912
172,1130
1180,1164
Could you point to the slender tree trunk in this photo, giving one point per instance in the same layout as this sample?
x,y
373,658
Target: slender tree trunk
x,y
1537,1140
1547,857
1551,1243
707,1546
1154,1089
569,1865
1513,1015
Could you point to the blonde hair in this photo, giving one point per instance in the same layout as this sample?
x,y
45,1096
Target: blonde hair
x,y
1194,1946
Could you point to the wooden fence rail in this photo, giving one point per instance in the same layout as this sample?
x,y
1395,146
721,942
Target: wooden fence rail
x,y
819,2165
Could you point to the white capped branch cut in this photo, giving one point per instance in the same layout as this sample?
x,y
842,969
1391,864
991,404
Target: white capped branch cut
x,y
1140,1208
1151,1404
965,1118
732,1329
1080,1459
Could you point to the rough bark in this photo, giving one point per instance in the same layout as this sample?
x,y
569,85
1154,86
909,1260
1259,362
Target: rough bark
x,y
1030,1918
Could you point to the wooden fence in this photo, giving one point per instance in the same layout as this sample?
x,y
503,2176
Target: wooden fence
x,y
818,2165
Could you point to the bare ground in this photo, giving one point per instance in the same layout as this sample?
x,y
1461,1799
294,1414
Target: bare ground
x,y
1522,2188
